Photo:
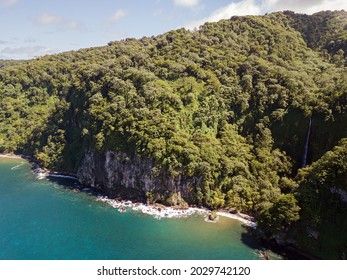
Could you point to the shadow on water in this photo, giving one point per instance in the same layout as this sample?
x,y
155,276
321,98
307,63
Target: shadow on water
x,y
270,249
65,181
249,238
71,184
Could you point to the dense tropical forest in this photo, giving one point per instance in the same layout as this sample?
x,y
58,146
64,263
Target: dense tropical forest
x,y
250,113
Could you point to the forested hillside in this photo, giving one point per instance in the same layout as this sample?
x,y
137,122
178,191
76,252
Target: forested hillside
x,y
247,113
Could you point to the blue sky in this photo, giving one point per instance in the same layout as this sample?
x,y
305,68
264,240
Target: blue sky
x,y
31,28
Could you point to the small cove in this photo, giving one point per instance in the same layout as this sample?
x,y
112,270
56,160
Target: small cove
x,y
46,219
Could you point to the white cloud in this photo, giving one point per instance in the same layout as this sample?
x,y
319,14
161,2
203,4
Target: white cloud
x,y
186,3
116,35
52,19
253,7
157,13
27,51
46,18
8,3
245,7
117,16
305,6
72,24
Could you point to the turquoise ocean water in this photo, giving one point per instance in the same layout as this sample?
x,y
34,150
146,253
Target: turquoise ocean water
x,y
45,219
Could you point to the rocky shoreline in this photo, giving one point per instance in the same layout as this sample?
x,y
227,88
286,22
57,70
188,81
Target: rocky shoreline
x,y
159,211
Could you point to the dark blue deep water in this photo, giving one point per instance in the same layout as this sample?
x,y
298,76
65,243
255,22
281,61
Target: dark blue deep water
x,y
45,219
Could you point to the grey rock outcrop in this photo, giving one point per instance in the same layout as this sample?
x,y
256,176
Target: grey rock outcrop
x,y
134,177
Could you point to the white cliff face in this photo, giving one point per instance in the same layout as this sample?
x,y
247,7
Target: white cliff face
x,y
129,173
116,173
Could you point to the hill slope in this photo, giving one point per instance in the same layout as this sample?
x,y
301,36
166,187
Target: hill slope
x,y
223,117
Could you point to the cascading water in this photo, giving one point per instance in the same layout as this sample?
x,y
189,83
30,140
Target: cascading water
x,y
304,158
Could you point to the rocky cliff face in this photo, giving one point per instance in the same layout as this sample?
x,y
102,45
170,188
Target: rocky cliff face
x,y
132,177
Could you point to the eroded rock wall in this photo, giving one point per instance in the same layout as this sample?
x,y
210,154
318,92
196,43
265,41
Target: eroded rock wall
x,y
133,177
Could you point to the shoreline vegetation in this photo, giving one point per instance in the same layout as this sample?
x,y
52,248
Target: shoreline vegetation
x,y
157,210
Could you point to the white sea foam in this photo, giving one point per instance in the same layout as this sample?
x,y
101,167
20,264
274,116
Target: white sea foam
x,y
41,175
17,166
168,212
39,172
60,176
157,211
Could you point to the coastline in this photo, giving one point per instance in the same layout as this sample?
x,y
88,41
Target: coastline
x,y
245,219
43,173
158,211
161,211
38,169
12,156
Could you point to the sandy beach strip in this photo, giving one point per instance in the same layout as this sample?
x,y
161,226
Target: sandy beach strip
x,y
11,156
240,217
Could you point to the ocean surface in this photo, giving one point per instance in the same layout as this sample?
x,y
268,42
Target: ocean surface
x,y
47,219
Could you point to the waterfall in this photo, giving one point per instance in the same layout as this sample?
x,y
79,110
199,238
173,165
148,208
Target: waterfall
x,y
304,158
